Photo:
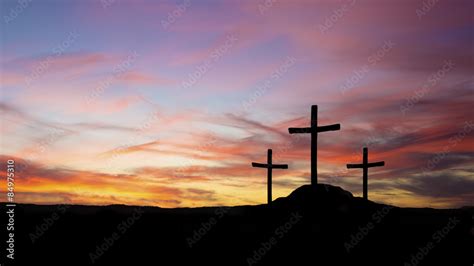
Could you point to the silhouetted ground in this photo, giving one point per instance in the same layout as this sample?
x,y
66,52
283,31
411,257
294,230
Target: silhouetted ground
x,y
321,225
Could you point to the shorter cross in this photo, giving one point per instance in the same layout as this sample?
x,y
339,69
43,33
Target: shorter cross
x,y
365,166
269,167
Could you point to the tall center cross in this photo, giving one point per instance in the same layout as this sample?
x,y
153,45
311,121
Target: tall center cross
x,y
270,166
314,130
365,166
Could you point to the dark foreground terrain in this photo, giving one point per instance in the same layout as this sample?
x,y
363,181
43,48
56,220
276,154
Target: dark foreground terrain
x,y
321,225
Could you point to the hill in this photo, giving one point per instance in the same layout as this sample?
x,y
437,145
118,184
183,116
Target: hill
x,y
320,225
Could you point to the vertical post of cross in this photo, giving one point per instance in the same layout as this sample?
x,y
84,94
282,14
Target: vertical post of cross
x,y
365,170
269,176
365,174
270,166
314,129
314,144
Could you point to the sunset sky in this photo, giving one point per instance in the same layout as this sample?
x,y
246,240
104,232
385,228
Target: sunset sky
x,y
167,103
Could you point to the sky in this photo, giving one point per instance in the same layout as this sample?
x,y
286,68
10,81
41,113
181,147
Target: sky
x,y
167,103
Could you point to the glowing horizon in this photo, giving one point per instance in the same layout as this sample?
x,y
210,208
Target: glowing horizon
x,y
167,104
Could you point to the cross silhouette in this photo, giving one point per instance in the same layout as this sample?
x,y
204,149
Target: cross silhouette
x,y
270,166
365,166
314,130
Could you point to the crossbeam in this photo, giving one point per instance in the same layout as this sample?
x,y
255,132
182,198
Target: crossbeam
x,y
269,166
365,165
273,166
314,130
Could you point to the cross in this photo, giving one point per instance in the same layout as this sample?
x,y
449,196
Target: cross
x,y
314,129
365,166
269,167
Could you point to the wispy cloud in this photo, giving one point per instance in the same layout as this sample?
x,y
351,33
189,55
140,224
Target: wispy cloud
x,y
170,143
